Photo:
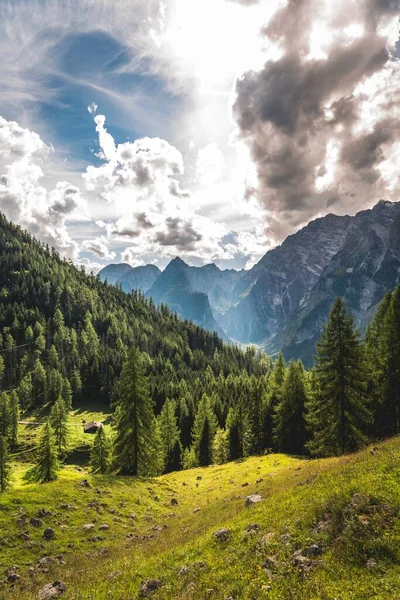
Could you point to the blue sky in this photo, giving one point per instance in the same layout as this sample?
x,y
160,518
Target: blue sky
x,y
184,154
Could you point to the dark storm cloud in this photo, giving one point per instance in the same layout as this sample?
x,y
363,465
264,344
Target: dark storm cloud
x,y
290,109
179,233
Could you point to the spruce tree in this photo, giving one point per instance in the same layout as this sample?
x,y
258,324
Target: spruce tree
x,y
204,428
169,432
100,455
273,397
237,427
5,415
47,463
255,442
59,423
338,414
391,379
136,447
4,464
290,433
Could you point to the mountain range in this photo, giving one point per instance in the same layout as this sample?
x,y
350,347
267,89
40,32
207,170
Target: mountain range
x,y
283,301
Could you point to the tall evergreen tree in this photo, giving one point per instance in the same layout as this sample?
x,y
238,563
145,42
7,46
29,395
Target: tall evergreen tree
x,y
290,433
14,418
47,463
136,447
5,415
220,449
59,423
4,464
169,432
100,455
256,424
338,415
273,397
204,428
236,424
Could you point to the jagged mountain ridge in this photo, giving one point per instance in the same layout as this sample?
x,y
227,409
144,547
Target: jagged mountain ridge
x,y
130,278
283,301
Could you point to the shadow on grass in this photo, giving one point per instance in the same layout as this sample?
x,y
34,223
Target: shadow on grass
x,y
78,456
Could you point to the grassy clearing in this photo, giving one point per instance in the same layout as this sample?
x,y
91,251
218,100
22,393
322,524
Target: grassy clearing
x,y
348,506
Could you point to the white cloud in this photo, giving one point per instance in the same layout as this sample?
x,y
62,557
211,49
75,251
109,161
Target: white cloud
x,y
22,197
98,247
209,164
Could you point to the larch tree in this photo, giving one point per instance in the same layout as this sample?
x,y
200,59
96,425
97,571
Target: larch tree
x,y
136,444
338,415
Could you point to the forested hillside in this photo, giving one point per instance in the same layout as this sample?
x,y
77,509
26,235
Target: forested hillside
x,y
180,397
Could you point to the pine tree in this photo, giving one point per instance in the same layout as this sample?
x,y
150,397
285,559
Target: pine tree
x,y
290,433
337,414
4,464
136,447
47,463
59,423
169,432
100,455
204,428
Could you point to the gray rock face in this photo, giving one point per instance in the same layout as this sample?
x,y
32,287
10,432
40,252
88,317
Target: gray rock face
x,y
284,300
130,278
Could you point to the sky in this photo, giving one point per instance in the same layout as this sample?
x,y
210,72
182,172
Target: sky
x,y
140,130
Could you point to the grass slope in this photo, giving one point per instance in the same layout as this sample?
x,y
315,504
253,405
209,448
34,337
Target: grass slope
x,y
348,506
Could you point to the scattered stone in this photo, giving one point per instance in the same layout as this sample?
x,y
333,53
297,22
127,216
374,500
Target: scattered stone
x,y
96,538
49,534
245,484
252,528
199,478
11,574
104,527
35,522
150,586
322,525
267,539
313,550
25,536
43,512
259,480
132,516
371,563
174,502
299,560
183,570
196,510
221,535
66,506
271,563
45,562
52,590
285,538
88,527
252,500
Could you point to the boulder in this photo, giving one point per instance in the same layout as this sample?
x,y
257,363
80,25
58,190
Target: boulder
x,y
49,534
252,500
252,528
52,590
174,502
149,586
104,527
35,522
221,535
88,527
